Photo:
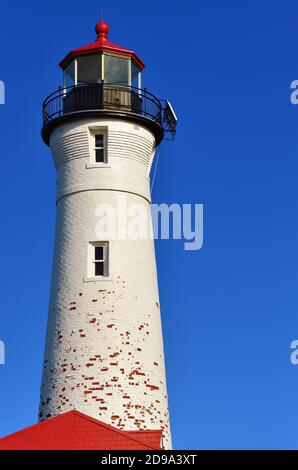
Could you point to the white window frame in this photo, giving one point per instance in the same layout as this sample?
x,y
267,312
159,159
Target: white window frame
x,y
75,72
93,148
92,260
104,147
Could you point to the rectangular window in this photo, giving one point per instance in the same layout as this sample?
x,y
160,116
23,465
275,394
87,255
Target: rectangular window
x,y
135,75
89,69
69,75
100,260
100,150
116,69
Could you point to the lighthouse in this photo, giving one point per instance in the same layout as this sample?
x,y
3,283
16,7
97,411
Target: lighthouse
x,y
104,352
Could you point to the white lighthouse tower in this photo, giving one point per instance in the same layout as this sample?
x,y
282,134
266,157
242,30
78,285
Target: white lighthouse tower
x,y
104,348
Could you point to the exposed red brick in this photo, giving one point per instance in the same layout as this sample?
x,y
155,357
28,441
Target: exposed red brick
x,y
152,387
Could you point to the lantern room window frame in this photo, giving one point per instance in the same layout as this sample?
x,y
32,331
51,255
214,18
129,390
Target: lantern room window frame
x,y
75,63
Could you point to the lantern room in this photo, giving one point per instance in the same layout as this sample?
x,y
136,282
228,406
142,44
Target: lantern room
x,y
102,62
104,80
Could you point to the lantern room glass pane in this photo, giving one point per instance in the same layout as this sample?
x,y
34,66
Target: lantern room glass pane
x,y
116,69
135,74
89,69
69,75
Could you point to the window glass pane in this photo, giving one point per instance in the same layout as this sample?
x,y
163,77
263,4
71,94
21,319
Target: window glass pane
x,y
98,140
99,268
69,75
99,252
89,69
134,75
99,155
116,69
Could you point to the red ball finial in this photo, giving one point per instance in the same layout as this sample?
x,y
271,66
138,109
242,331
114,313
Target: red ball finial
x,y
102,30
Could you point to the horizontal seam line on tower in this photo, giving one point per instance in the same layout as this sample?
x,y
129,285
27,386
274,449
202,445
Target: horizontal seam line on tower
x,y
102,189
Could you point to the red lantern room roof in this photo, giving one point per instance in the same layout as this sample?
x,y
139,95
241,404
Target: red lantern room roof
x,y
101,44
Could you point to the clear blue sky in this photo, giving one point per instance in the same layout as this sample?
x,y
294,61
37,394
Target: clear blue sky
x,y
230,310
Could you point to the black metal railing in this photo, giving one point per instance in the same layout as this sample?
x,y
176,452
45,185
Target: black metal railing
x,y
102,96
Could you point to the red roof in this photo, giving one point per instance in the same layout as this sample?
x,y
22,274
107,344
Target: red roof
x,y
101,44
76,431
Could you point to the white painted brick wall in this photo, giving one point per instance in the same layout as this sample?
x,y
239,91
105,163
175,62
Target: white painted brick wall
x,y
104,349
